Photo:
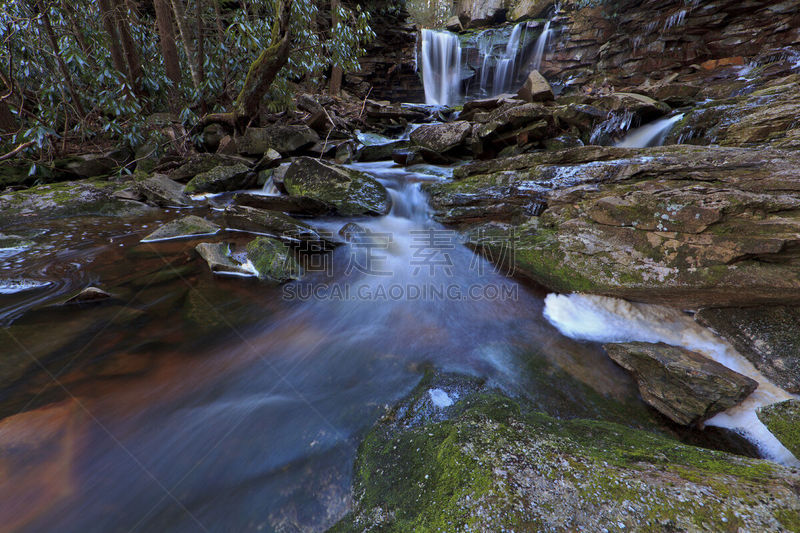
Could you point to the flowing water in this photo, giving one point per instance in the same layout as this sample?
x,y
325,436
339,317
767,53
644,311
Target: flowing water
x,y
190,402
652,134
441,67
541,46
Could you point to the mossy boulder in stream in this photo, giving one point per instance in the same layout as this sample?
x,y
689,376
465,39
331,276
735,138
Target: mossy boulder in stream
x,y
475,460
273,260
222,178
348,192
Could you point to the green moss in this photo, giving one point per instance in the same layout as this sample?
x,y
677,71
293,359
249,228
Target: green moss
x,y
789,518
783,420
273,260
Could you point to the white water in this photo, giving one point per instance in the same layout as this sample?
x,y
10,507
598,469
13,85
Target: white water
x,y
652,134
441,67
504,71
604,319
541,46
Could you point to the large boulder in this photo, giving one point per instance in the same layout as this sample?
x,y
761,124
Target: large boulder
x,y
456,459
283,139
536,88
685,386
442,137
769,336
273,260
202,162
477,13
348,192
527,9
690,226
783,421
222,178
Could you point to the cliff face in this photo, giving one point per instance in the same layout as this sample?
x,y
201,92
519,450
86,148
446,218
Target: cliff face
x,y
388,70
631,40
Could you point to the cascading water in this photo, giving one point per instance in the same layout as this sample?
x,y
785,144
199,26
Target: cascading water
x,y
504,71
541,45
652,134
441,67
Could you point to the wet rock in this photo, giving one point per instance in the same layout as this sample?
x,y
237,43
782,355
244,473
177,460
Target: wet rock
x,y
688,226
441,137
351,230
769,336
453,24
183,228
273,260
283,139
783,421
200,163
221,179
348,192
486,463
276,224
683,385
218,257
380,152
270,159
536,88
161,191
71,198
294,205
89,295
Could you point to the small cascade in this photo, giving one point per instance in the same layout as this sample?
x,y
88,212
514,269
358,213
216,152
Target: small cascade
x,y
504,71
652,134
541,46
441,67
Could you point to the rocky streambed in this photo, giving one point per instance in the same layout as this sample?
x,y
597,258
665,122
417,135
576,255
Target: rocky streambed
x,y
191,327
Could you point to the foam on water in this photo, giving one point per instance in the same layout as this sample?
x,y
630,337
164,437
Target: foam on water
x,y
13,286
604,319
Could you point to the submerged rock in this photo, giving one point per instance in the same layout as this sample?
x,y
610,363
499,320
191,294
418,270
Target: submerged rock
x,y
273,260
683,385
442,137
163,192
769,336
783,420
182,228
348,192
222,178
87,295
218,257
486,463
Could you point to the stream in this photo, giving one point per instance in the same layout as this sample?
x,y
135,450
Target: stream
x,y
222,404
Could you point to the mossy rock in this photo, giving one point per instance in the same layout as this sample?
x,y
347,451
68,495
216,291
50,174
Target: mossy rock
x,y
485,463
273,260
783,420
222,178
183,228
348,192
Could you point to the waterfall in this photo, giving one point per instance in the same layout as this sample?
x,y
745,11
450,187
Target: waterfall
x,y
504,71
441,67
541,45
652,134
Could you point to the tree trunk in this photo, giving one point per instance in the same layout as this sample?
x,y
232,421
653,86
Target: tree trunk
x,y
186,39
107,15
264,69
166,35
336,70
221,38
201,54
128,46
48,28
